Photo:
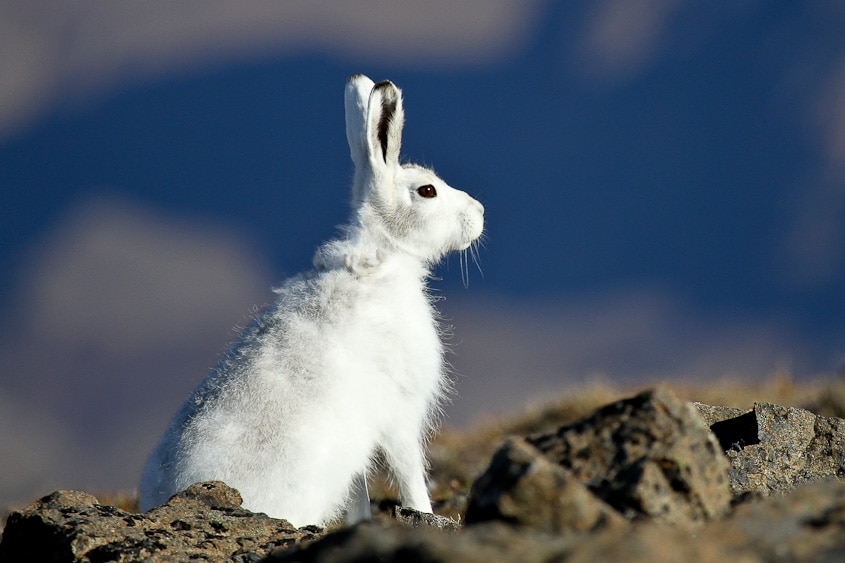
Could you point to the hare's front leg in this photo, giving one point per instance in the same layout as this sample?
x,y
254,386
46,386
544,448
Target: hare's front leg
x,y
403,452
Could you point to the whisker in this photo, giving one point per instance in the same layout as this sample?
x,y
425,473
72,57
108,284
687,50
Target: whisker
x,y
473,252
464,268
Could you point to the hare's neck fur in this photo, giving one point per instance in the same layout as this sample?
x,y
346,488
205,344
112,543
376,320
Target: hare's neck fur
x,y
370,252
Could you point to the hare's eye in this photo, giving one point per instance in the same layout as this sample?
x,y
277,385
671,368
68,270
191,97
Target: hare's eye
x,y
427,191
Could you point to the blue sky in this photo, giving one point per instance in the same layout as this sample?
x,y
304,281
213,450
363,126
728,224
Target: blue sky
x,y
664,185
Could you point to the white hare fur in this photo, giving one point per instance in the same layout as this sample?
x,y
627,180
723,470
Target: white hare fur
x,y
346,363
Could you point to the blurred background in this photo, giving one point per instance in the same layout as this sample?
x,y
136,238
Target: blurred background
x,y
664,184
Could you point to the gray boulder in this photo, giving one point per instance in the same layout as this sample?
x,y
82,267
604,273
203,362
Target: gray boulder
x,y
772,448
650,456
205,522
523,487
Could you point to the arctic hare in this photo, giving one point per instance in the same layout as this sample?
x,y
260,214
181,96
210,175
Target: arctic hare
x,y
347,362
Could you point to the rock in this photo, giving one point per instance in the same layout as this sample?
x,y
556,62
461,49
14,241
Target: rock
x,y
807,525
389,512
711,415
416,519
649,456
204,522
522,486
213,494
601,488
480,544
772,448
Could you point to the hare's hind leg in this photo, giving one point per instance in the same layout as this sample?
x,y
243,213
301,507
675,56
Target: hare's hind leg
x,y
358,507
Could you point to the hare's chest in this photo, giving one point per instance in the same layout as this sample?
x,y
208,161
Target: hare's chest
x,y
397,342
405,326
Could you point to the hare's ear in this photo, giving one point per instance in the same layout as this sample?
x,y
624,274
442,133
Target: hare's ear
x,y
356,98
385,119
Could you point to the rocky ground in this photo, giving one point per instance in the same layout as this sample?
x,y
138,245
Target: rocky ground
x,y
648,477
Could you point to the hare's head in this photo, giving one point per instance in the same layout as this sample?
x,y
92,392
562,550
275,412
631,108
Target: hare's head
x,y
406,208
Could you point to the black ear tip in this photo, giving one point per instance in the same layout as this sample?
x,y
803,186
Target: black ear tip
x,y
387,90
354,77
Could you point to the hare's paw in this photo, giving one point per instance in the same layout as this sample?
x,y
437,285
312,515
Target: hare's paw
x,y
363,262
359,260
